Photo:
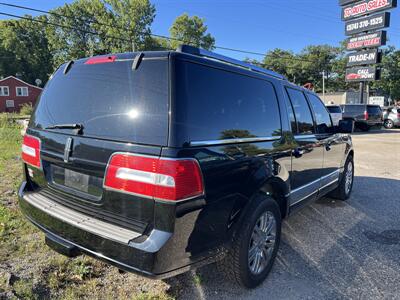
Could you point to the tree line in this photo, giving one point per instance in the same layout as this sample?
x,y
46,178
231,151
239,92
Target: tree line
x,y
33,47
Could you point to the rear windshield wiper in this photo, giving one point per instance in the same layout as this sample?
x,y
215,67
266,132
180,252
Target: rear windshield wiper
x,y
78,127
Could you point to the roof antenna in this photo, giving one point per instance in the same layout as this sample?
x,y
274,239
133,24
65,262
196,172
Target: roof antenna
x,y
68,66
137,60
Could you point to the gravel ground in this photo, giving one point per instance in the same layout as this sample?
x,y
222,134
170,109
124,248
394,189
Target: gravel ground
x,y
332,249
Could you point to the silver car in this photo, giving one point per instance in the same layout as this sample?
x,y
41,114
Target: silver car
x,y
391,117
336,113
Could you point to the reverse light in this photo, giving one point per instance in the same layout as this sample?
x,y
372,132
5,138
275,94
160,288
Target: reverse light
x,y
153,177
31,151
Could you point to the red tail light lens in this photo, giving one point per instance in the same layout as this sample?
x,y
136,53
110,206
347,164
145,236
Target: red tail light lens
x,y
101,60
159,178
31,151
366,116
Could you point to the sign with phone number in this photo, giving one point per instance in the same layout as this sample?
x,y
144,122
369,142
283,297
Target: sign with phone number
x,y
373,22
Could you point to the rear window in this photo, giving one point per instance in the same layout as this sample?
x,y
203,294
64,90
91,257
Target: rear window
x,y
111,100
374,109
354,108
217,104
334,109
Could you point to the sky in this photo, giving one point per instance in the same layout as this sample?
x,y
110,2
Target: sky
x,y
251,25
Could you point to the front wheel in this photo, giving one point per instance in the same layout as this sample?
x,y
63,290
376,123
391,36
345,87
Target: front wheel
x,y
255,244
343,191
388,124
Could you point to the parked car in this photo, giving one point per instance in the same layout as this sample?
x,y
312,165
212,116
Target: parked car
x,y
391,117
364,115
336,113
160,162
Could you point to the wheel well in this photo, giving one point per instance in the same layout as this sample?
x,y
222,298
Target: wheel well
x,y
351,153
276,190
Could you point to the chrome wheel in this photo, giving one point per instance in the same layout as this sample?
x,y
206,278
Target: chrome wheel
x,y
349,177
388,124
262,243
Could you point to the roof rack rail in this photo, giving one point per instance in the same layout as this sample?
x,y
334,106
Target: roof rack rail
x,y
208,54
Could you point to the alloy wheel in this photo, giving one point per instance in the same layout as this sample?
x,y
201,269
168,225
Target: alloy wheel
x,y
262,243
349,177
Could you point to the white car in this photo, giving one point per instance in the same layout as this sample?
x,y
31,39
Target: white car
x,y
336,113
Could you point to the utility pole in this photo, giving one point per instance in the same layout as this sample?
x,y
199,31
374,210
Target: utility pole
x,y
323,85
362,92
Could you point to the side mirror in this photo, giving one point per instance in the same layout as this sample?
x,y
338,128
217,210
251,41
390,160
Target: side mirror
x,y
345,126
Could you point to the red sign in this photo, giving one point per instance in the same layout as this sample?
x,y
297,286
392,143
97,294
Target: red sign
x,y
362,74
366,7
371,40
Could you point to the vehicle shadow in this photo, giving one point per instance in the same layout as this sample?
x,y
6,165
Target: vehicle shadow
x,y
330,249
377,131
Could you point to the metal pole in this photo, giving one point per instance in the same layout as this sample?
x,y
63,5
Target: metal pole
x,y
323,85
367,92
361,92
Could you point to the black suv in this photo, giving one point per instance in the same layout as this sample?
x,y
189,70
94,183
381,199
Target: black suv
x,y
365,116
159,162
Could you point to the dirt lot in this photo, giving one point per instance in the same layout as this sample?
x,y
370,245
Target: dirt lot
x,y
330,249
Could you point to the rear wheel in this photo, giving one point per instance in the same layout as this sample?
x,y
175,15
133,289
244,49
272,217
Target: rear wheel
x,y
343,191
388,124
255,244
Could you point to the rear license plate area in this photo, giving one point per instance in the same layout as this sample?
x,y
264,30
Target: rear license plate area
x,y
76,180
70,180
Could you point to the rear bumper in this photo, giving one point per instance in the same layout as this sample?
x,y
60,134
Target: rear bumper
x,y
145,255
369,123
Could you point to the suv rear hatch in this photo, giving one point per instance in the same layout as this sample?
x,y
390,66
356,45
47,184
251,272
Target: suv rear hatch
x,y
120,106
374,113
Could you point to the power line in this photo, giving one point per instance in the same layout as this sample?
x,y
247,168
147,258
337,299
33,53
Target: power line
x,y
150,34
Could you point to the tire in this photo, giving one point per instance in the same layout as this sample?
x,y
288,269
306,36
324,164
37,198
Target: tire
x,y
343,191
389,124
237,265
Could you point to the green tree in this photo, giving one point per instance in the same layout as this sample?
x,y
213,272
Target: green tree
x,y
390,77
192,31
95,27
130,20
24,49
73,39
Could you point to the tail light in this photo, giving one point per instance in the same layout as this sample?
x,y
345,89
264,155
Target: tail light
x,y
31,151
366,116
153,177
398,115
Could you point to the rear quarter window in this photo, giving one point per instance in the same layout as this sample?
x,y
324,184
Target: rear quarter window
x,y
215,104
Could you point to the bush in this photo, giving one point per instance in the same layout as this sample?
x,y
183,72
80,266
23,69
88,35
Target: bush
x,y
26,109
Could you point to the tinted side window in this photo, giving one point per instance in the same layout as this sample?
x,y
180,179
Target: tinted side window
x,y
292,118
374,109
302,111
322,117
216,104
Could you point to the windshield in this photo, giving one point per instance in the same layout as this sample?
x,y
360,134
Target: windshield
x,y
110,100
